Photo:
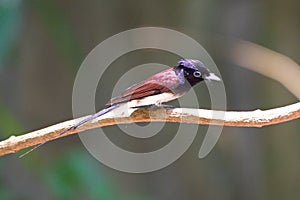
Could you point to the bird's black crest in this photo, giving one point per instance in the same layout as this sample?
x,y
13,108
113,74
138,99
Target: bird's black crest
x,y
191,64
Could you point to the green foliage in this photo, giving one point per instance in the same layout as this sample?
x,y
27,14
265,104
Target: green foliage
x,y
9,26
8,123
76,175
6,194
60,30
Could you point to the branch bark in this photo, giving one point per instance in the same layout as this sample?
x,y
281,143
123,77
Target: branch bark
x,y
256,118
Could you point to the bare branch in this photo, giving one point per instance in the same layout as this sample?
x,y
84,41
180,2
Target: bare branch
x,y
257,118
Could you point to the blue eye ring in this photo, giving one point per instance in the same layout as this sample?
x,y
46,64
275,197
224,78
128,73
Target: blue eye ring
x,y
197,74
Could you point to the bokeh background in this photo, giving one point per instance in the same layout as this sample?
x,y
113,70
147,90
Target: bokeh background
x,y
42,44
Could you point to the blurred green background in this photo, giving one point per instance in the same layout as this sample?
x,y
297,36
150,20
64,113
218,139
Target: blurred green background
x,y
42,44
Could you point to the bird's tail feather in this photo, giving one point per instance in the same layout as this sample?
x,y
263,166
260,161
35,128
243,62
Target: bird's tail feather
x,y
98,114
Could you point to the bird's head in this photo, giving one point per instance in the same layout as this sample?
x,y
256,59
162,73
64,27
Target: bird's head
x,y
195,71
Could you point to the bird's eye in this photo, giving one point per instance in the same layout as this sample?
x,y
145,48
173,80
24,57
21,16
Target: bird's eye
x,y
197,74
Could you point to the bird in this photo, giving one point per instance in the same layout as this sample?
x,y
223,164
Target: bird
x,y
162,87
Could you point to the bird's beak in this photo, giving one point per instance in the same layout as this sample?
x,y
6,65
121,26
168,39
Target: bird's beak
x,y
212,77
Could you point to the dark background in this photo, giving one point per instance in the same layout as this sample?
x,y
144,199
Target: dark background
x,y
42,44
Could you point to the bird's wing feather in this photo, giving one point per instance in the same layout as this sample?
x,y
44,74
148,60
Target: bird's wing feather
x,y
156,84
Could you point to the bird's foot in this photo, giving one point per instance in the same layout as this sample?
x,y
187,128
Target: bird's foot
x,y
165,106
157,106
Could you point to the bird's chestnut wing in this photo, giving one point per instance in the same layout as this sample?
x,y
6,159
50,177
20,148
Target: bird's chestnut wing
x,y
164,81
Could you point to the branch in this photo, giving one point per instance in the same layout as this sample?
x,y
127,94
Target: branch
x,y
257,118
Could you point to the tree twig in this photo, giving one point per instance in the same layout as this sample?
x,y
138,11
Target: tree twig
x,y
256,118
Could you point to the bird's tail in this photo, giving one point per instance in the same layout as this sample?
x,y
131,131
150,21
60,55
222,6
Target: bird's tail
x,y
98,114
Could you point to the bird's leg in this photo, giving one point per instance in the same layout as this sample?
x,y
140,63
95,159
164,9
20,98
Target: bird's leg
x,y
156,106
160,105
166,106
